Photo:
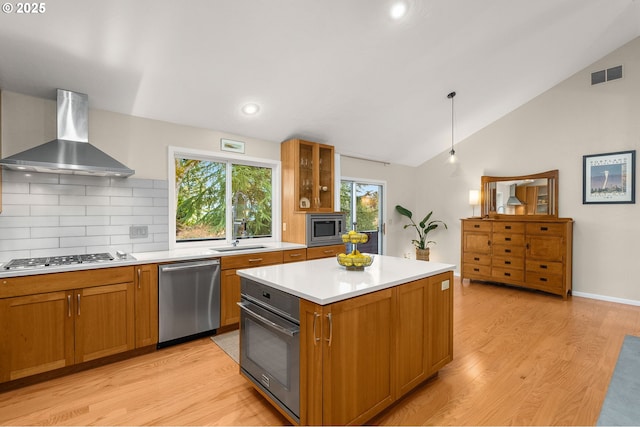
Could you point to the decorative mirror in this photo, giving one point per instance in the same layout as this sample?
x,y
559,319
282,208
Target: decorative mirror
x,y
527,196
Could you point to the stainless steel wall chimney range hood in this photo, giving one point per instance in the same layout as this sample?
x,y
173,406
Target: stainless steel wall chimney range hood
x,y
71,152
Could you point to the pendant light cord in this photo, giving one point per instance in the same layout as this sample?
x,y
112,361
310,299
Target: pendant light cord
x,y
451,95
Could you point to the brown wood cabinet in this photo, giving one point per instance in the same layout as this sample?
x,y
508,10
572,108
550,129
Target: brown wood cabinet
x,y
294,255
359,355
325,251
307,185
532,254
230,281
146,304
85,315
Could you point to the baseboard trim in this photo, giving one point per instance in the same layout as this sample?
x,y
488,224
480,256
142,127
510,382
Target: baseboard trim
x,y
606,298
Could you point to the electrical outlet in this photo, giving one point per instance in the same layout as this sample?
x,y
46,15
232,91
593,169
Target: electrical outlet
x,y
138,231
444,285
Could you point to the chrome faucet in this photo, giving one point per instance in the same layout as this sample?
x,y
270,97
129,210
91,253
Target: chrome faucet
x,y
240,211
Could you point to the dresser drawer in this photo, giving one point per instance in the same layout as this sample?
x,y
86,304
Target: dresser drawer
x,y
508,262
508,250
508,227
544,267
476,225
473,270
250,260
508,238
548,228
507,274
477,259
545,282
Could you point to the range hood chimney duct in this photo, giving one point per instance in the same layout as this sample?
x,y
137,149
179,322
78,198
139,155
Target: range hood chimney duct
x,y
513,199
71,152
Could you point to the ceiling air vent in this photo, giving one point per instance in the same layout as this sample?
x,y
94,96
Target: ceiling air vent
x,y
602,76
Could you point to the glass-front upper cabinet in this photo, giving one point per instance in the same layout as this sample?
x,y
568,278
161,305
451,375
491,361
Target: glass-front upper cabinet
x,y
309,166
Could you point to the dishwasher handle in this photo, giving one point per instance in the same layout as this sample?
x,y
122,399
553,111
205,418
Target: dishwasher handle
x,y
188,266
291,332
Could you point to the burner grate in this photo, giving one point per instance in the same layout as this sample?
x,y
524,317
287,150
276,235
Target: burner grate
x,y
41,262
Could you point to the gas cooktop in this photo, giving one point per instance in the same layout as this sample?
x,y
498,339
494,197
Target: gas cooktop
x,y
41,262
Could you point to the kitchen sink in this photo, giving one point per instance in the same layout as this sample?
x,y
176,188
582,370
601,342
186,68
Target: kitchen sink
x,y
237,248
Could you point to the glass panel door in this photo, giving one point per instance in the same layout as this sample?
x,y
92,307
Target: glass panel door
x,y
362,204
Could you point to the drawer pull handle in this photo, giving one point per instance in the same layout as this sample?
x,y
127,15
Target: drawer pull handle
x,y
544,228
295,255
508,239
508,262
476,225
543,266
507,274
476,258
328,251
507,227
508,251
543,279
476,269
255,259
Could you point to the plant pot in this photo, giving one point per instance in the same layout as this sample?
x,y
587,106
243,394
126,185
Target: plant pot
x,y
422,254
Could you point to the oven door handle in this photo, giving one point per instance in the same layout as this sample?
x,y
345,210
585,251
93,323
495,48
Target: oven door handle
x,y
287,331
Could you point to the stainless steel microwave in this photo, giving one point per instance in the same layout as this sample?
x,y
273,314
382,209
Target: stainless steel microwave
x,y
325,229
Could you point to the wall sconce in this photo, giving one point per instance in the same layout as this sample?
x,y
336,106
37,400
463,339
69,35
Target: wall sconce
x,y
474,200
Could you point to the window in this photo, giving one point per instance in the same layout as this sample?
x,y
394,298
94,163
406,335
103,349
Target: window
x,y
219,198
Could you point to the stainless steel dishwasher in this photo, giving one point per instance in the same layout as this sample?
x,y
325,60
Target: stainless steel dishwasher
x,y
188,300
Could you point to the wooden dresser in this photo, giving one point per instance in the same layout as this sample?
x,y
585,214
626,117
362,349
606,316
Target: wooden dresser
x,y
535,254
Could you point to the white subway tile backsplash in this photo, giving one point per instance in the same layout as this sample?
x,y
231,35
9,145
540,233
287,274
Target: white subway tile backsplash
x,y
85,200
109,191
84,220
50,214
29,199
109,210
57,210
66,242
37,232
76,190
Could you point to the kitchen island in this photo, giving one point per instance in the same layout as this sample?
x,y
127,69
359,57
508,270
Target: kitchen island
x,y
366,337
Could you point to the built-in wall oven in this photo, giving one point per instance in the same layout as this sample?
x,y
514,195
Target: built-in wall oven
x,y
270,343
325,229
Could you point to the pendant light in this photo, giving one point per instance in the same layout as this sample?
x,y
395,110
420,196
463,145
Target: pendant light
x,y
452,153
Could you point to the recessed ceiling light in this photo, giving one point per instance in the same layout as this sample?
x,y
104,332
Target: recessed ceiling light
x,y
250,109
398,10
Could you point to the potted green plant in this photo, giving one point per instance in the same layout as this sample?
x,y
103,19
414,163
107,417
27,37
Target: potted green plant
x,y
423,228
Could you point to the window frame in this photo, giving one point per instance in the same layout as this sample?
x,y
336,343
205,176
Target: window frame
x,y
228,158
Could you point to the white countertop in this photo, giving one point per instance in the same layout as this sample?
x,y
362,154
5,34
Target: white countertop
x,y
323,281
153,257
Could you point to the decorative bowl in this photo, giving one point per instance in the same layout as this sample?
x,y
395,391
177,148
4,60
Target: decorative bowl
x,y
355,261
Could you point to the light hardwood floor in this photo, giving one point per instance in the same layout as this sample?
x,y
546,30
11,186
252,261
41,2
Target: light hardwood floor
x,y
520,358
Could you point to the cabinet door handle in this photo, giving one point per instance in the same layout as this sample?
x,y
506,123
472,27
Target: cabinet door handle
x,y
69,305
330,339
78,300
488,242
138,278
315,321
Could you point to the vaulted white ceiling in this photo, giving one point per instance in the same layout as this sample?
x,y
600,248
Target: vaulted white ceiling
x,y
336,71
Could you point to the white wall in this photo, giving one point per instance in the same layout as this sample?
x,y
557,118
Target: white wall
x,y
554,131
140,144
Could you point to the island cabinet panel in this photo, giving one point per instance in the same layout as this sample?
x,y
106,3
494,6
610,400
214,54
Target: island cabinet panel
x,y
532,254
424,339
146,305
347,359
36,335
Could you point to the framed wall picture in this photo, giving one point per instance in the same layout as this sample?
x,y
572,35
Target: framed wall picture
x,y
609,177
231,145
